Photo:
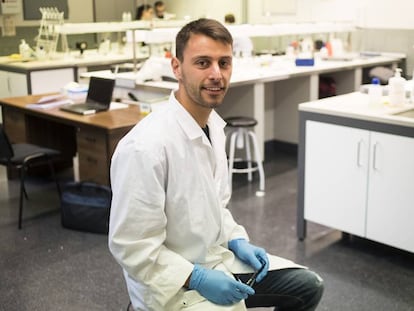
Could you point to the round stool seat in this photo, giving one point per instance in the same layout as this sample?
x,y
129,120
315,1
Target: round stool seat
x,y
241,121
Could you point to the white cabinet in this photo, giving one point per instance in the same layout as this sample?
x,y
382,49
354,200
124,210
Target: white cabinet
x,y
51,80
12,84
360,181
336,176
4,86
41,81
390,213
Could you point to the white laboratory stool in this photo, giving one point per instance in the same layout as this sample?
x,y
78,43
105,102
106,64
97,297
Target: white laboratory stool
x,y
241,136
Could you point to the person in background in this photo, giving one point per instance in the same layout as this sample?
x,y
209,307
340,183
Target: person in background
x,y
145,12
159,8
229,18
160,11
242,45
170,229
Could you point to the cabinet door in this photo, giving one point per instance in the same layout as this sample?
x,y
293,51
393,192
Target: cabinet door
x,y
12,84
390,212
336,165
4,84
47,81
17,84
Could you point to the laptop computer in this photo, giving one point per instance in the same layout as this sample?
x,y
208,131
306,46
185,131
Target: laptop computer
x,y
99,97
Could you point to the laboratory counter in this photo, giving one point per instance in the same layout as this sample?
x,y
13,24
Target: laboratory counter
x,y
74,59
356,106
355,168
269,88
23,77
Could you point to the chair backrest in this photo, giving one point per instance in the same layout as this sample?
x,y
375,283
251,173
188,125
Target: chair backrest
x,y
6,149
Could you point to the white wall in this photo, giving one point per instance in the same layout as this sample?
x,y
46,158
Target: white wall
x,y
306,11
365,13
205,8
389,14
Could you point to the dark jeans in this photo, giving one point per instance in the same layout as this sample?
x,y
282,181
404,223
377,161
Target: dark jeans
x,y
287,290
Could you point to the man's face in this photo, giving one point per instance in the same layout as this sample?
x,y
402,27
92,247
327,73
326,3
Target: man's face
x,y
148,14
159,10
205,72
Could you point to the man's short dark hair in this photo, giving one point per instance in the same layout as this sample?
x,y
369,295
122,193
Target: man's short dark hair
x,y
229,18
204,26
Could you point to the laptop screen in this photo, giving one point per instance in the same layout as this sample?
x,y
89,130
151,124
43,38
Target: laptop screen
x,y
100,91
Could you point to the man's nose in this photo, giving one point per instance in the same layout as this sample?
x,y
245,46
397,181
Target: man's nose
x,y
215,71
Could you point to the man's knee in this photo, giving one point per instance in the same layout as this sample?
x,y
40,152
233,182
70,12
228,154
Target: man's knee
x,y
314,286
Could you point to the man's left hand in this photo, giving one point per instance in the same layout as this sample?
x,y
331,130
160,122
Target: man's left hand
x,y
251,255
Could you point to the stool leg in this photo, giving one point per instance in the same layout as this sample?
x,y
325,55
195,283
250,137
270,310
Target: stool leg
x,y
248,155
240,138
232,148
258,157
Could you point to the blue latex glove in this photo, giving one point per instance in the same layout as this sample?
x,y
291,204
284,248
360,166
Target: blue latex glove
x,y
217,287
252,255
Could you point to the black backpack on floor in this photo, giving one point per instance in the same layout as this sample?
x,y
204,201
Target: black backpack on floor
x,y
85,206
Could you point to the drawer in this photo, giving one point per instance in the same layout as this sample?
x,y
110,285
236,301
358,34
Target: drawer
x,y
91,140
93,168
93,156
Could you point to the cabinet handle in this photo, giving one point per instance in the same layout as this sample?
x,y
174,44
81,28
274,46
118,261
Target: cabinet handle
x,y
90,139
8,85
91,160
359,164
374,157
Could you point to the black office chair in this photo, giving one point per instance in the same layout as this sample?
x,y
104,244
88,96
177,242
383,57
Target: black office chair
x,y
21,157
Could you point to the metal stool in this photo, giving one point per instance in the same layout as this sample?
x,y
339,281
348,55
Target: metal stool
x,y
240,137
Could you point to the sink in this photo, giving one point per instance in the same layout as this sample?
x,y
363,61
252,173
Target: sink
x,y
407,113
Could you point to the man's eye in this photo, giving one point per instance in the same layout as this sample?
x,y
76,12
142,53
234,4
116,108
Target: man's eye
x,y
225,63
202,63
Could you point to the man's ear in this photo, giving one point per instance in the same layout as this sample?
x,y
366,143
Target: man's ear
x,y
176,67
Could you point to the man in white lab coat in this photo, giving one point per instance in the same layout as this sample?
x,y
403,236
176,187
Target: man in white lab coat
x,y
170,230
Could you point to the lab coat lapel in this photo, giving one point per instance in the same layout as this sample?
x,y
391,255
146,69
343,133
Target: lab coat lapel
x,y
195,134
216,125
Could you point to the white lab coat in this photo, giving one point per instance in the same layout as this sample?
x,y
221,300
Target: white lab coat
x,y
168,211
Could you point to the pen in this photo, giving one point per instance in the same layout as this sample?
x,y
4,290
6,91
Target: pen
x,y
252,279
132,96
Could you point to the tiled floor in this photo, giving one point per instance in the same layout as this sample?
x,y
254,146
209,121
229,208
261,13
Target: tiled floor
x,y
46,267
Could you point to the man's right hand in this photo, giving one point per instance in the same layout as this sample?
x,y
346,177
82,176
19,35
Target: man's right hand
x,y
217,287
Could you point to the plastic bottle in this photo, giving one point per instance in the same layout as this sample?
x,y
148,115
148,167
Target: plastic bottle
x,y
40,53
396,89
375,93
24,49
